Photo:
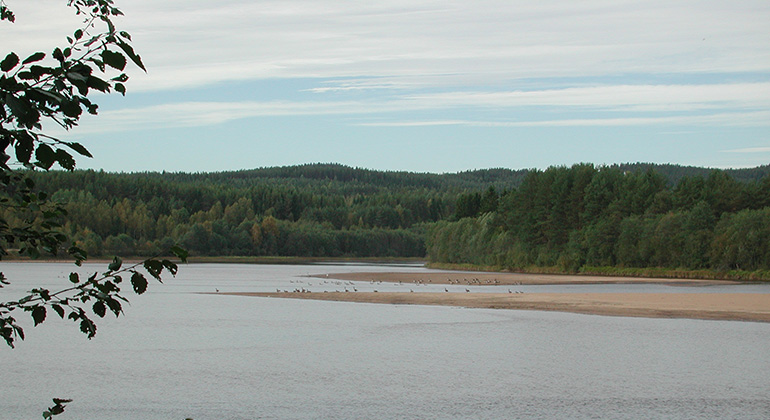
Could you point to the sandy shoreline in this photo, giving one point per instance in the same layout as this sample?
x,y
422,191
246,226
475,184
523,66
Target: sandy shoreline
x,y
711,306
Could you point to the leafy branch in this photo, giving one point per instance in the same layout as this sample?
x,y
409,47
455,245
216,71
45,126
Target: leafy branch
x,y
54,88
102,291
32,92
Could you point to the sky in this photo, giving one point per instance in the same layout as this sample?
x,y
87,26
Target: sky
x,y
426,85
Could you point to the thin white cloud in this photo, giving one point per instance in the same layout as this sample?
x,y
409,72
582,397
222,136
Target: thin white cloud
x,y
188,43
199,114
626,97
751,150
748,119
195,114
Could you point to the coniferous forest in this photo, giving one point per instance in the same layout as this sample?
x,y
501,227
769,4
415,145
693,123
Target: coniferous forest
x,y
634,215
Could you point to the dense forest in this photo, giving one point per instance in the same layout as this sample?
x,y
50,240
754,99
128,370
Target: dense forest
x,y
321,210
622,216
632,215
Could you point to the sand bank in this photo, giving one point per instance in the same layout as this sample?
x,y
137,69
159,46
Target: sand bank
x,y
713,306
478,278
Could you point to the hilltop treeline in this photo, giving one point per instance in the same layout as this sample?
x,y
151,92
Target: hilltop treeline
x,y
583,216
308,210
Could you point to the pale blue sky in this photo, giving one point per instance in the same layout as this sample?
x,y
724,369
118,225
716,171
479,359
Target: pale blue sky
x,y
428,86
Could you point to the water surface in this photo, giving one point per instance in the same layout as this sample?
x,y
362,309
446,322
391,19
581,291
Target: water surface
x,y
178,353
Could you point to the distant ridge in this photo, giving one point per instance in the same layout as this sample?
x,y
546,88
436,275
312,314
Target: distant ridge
x,y
342,177
500,178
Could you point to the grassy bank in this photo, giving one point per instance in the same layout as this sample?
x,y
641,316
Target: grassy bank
x,y
650,272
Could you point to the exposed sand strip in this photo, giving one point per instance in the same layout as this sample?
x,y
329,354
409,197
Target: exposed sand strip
x,y
714,306
477,278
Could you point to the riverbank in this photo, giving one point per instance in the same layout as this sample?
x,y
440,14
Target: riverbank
x,y
708,306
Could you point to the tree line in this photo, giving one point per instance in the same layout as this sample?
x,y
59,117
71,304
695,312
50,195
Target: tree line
x,y
587,216
629,215
321,210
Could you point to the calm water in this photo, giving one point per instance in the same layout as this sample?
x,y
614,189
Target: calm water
x,y
180,354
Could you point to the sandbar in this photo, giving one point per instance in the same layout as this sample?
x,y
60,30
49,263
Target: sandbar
x,y
709,306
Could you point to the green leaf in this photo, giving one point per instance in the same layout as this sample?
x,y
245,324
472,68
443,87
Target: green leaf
x,y
154,267
99,308
88,327
180,252
59,310
114,59
7,14
65,159
80,149
34,57
139,282
170,266
116,264
71,108
96,83
74,278
24,146
58,408
38,314
114,306
58,54
23,110
78,254
9,62
131,54
45,156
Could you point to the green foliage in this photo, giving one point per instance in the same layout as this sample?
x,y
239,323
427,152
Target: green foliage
x,y
584,216
102,291
57,408
54,88
263,212
44,89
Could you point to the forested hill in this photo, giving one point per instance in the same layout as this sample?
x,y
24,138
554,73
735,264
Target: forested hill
x,y
306,210
349,178
500,178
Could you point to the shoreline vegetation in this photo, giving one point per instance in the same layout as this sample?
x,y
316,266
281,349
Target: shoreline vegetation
x,y
646,272
753,307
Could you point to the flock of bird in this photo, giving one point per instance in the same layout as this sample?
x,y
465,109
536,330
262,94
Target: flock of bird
x,y
350,286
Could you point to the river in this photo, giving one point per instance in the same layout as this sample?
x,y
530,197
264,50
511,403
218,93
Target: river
x,y
178,353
